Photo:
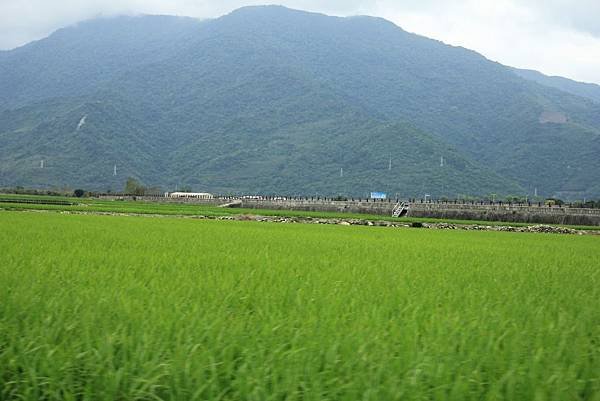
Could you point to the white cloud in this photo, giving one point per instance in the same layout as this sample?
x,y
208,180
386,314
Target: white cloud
x,y
558,37
512,33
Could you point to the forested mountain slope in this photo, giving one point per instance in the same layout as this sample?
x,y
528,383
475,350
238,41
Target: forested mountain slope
x,y
273,100
583,89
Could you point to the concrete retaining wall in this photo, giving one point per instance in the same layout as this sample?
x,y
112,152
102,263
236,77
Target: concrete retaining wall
x,y
496,212
509,213
444,210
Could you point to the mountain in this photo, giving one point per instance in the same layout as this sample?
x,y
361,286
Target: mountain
x,y
273,100
587,90
78,59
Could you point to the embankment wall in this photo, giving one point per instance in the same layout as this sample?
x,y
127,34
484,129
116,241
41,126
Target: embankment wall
x,y
457,211
528,213
508,213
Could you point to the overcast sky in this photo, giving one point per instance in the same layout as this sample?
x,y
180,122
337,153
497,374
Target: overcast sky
x,y
557,37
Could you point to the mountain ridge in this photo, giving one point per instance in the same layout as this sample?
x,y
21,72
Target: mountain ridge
x,y
241,104
584,89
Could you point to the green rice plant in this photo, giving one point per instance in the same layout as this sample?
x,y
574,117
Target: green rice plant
x,y
127,308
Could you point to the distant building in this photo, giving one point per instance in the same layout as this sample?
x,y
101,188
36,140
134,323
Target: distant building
x,y
195,195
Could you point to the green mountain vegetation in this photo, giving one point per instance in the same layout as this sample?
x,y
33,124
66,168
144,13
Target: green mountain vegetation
x,y
273,100
583,89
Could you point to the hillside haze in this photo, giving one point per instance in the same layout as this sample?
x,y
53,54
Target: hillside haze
x,y
273,100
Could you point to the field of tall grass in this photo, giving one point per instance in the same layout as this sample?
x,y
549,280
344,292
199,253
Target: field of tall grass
x,y
129,308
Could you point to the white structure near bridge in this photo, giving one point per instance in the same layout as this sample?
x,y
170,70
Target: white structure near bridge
x,y
194,195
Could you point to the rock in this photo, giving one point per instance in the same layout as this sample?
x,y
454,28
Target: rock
x,y
542,228
444,226
246,217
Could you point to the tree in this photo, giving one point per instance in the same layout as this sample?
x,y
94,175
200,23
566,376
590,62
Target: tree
x,y
554,201
79,193
134,187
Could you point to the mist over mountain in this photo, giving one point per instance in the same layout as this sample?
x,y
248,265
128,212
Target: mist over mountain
x,y
273,100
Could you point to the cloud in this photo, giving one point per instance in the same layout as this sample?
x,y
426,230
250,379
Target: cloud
x,y
581,15
527,34
558,37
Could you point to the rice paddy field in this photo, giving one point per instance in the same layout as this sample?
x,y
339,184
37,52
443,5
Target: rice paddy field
x,y
134,308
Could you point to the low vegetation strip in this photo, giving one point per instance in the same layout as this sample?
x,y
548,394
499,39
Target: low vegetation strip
x,y
107,307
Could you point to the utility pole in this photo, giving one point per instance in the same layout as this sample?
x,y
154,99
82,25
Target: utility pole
x,y
115,170
341,171
390,163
